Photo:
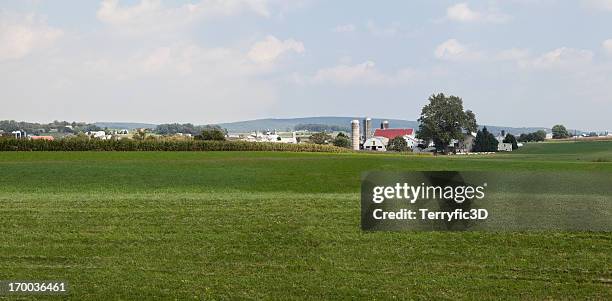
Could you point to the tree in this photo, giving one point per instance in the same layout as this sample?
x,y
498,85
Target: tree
x,y
485,141
212,134
342,141
443,120
535,136
320,138
559,132
341,134
539,135
398,144
511,139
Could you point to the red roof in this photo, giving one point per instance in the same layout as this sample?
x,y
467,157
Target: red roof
x,y
392,133
50,138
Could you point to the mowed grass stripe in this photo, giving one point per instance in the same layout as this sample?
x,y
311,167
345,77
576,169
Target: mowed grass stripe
x,y
278,245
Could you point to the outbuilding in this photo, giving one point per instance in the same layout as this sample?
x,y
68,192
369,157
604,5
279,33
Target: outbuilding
x,y
375,144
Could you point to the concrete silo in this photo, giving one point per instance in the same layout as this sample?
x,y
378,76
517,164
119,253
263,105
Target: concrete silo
x,y
367,129
384,124
355,134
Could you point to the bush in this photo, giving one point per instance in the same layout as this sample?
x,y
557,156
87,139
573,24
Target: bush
x,y
398,144
12,144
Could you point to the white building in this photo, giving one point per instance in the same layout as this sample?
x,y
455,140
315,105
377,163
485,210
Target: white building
x,y
376,144
98,135
504,147
271,137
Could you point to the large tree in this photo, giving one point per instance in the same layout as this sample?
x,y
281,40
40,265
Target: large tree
x,y
444,119
215,134
559,132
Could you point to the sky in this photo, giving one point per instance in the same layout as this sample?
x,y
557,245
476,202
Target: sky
x,y
514,62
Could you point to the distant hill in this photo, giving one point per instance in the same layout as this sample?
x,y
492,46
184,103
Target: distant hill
x,y
287,124
125,125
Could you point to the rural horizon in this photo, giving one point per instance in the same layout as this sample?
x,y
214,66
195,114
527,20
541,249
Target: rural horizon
x,y
146,122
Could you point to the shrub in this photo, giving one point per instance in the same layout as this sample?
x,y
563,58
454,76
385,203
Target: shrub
x,y
398,144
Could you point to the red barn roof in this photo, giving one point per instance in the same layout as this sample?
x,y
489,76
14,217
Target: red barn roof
x,y
392,133
50,138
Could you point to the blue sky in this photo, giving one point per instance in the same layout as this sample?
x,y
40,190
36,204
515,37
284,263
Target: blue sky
x,y
514,62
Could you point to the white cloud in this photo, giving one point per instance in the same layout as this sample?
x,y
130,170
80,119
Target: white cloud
x,y
453,50
599,4
344,28
561,57
607,46
461,12
22,35
153,15
363,73
271,48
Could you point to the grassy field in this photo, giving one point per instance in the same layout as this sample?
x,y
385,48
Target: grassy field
x,y
260,225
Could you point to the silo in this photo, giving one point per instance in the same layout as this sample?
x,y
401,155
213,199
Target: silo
x,y
355,134
367,128
385,124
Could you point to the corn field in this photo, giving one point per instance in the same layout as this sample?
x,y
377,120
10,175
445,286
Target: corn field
x,y
153,145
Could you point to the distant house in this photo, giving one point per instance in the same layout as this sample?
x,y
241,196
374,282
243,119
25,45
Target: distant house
x,y
272,136
48,138
376,144
19,134
466,144
98,135
504,147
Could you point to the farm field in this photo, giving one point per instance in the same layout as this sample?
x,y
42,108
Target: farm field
x,y
274,225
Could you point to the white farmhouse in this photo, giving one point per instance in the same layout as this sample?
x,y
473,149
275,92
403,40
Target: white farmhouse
x,y
504,147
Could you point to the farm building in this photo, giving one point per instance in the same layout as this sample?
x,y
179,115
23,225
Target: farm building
x,y
376,144
379,140
504,147
392,133
465,145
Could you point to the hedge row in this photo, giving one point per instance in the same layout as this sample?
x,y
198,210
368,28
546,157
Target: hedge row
x,y
153,145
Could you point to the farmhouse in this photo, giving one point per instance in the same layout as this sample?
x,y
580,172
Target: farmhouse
x,y
466,144
504,147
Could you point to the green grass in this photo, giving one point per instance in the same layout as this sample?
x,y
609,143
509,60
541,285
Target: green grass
x,y
144,225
